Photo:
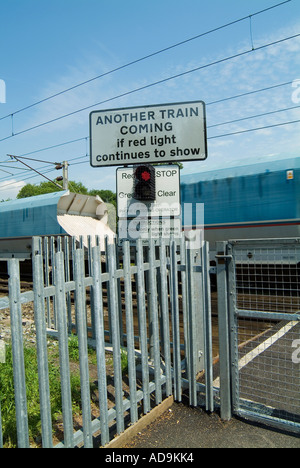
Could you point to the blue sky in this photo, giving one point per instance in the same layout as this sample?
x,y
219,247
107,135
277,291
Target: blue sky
x,y
49,46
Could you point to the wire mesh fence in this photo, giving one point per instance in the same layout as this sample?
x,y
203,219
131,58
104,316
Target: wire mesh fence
x,y
265,310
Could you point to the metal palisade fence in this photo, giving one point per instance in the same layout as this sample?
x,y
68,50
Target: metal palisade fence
x,y
140,320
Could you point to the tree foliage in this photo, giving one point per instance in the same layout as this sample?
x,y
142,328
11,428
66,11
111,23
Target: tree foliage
x,y
106,195
31,190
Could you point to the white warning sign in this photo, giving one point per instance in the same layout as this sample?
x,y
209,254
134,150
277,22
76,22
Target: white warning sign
x,y
151,134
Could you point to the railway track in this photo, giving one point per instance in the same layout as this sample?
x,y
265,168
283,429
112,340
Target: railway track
x,y
245,301
25,286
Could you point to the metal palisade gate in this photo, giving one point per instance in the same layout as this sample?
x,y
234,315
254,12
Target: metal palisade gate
x,y
138,319
259,331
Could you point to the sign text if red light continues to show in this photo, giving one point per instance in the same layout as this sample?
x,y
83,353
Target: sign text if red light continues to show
x,y
151,134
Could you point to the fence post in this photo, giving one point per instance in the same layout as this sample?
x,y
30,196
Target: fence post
x,y
196,245
114,311
209,395
175,320
68,277
192,335
223,320
47,278
90,267
18,352
142,323
100,343
165,316
41,342
81,321
130,332
52,255
60,304
154,321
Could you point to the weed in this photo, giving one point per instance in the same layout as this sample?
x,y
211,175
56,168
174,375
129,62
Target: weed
x,y
9,424
7,401
124,361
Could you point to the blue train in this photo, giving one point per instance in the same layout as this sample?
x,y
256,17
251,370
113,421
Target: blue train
x,y
250,202
52,214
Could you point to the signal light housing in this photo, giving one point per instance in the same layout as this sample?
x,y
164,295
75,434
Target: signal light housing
x,y
144,183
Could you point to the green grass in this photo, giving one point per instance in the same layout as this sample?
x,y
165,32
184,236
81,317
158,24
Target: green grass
x,y
8,410
124,361
7,401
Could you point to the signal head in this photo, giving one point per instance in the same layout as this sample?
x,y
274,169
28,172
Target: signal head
x,y
144,183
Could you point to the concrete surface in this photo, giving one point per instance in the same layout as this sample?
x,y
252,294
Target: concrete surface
x,y
184,427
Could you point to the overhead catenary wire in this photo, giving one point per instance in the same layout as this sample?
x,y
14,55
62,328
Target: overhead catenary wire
x,y
55,146
239,132
160,51
9,183
218,101
248,93
86,138
14,168
39,173
164,80
88,162
32,159
44,168
253,49
264,114
71,163
182,74
21,176
226,134
251,32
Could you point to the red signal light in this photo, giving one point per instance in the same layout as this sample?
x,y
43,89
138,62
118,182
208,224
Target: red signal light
x,y
146,176
144,183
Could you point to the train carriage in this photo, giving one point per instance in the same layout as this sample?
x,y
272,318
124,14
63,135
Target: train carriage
x,y
53,214
257,201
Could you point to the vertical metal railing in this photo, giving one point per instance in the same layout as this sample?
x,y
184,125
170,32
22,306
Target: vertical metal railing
x,y
130,334
223,259
100,344
64,351
41,343
157,331
18,353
